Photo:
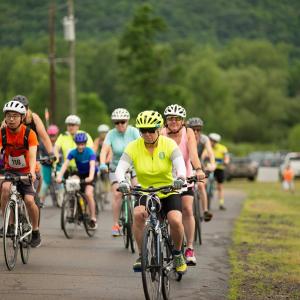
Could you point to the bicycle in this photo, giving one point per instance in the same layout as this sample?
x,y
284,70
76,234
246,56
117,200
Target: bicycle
x,y
210,188
157,246
101,191
74,210
17,228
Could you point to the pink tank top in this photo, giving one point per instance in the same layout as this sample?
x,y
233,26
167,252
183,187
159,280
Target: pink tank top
x,y
183,146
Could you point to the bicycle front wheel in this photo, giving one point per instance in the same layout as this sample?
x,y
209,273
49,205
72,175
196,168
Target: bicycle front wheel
x,y
151,264
10,239
25,243
197,216
69,215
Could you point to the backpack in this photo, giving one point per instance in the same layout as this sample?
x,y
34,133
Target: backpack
x,y
4,139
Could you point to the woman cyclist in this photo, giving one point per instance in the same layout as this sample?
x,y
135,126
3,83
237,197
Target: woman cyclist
x,y
115,141
185,139
153,157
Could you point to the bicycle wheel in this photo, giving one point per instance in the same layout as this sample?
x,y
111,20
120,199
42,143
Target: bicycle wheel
x,y
129,230
53,194
197,216
25,243
123,223
69,215
98,197
151,264
86,217
10,240
210,190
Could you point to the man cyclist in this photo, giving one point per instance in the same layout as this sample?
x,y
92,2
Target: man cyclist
x,y
184,137
115,141
65,141
85,159
153,157
203,143
20,159
222,159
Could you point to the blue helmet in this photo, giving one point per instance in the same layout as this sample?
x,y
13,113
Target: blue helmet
x,y
80,137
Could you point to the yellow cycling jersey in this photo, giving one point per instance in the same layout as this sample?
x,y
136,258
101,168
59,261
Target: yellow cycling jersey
x,y
66,143
220,151
152,169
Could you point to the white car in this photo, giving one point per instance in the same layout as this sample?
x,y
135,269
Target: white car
x,y
292,159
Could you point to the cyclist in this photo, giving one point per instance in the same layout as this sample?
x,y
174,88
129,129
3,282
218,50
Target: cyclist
x,y
85,159
222,159
102,129
153,157
53,132
20,149
184,137
116,141
203,143
65,141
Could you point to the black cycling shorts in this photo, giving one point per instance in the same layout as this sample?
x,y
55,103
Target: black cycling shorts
x,y
219,175
83,185
189,192
172,202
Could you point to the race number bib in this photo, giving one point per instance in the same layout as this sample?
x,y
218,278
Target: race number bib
x,y
17,162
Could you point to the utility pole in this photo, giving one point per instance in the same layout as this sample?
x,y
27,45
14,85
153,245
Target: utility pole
x,y
71,39
52,61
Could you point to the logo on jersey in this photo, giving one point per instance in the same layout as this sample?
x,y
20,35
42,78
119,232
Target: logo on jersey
x,y
161,155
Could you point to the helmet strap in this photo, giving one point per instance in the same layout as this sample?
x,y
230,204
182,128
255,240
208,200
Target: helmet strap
x,y
154,141
174,132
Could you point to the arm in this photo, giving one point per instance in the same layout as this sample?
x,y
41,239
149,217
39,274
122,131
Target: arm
x,y
32,161
192,146
178,163
96,145
62,171
123,165
226,158
210,154
42,133
106,149
91,172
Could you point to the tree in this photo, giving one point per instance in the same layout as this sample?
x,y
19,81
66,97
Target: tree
x,y
294,138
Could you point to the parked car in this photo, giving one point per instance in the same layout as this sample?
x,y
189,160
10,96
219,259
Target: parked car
x,y
292,159
241,167
267,158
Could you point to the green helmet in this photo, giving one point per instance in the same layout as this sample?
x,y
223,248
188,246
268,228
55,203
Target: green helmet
x,y
149,119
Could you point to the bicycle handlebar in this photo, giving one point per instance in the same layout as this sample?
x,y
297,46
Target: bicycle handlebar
x,y
16,178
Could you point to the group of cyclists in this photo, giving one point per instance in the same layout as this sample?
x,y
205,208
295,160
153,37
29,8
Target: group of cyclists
x,y
159,150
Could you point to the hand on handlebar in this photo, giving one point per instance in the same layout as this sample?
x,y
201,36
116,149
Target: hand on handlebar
x,y
88,179
58,179
103,168
124,187
178,183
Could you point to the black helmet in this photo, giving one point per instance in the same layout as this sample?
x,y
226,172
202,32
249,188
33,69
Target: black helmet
x,y
22,99
194,122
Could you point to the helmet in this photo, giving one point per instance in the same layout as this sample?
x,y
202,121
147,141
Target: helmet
x,y
120,114
149,119
52,130
175,110
21,99
215,137
73,119
193,122
103,128
80,137
14,106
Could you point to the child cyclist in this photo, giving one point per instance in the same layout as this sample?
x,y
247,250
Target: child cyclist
x,y
85,159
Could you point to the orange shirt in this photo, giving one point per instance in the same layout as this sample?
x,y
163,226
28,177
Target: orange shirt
x,y
16,157
288,175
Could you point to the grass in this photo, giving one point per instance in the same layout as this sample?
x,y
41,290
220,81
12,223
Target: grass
x,y
265,254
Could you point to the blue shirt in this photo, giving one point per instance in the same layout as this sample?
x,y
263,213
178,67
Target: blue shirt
x,y
82,159
118,141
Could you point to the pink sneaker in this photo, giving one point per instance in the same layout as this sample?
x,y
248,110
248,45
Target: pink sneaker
x,y
190,257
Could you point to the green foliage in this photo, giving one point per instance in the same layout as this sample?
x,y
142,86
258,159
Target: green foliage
x,y
294,138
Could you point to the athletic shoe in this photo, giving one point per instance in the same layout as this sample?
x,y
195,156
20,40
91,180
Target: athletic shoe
x,y
35,239
207,216
116,230
93,224
180,264
137,266
190,257
222,207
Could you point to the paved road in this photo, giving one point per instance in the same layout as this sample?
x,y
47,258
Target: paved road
x,y
100,268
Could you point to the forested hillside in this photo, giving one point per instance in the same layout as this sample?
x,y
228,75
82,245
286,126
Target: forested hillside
x,y
201,20
234,63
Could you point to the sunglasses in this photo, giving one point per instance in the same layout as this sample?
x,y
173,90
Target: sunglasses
x,y
174,118
149,130
197,129
119,122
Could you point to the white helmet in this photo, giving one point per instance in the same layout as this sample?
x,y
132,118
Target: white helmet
x,y
120,114
73,119
175,110
103,128
14,106
215,137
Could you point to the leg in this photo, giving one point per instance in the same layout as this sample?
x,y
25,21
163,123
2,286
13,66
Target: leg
x,y
176,228
188,219
89,192
5,190
33,211
116,203
139,218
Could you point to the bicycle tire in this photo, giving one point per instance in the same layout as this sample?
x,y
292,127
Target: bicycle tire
x,y
197,216
69,215
86,218
152,264
129,231
53,194
10,242
25,243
